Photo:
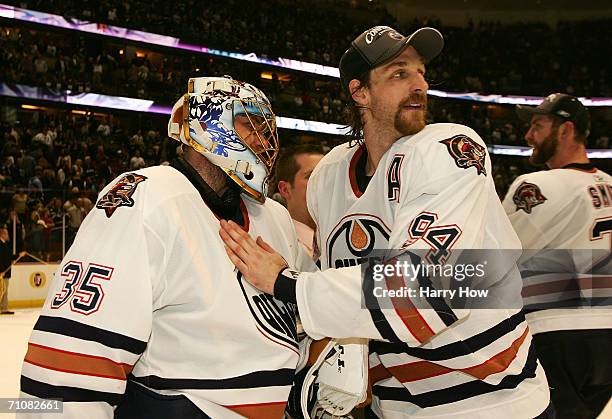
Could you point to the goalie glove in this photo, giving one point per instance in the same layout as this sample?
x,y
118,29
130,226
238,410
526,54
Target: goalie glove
x,y
338,380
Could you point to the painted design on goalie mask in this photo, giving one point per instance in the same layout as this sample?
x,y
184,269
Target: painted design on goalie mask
x,y
209,111
205,118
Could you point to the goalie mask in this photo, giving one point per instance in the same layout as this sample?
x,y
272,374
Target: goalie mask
x,y
232,124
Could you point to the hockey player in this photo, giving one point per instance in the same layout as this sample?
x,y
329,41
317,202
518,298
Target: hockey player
x,y
402,184
563,217
293,169
147,317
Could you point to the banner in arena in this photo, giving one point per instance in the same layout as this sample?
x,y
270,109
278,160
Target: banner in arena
x,y
42,18
142,105
11,12
29,284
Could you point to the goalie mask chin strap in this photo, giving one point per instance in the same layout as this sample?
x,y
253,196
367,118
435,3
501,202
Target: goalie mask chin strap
x,y
227,206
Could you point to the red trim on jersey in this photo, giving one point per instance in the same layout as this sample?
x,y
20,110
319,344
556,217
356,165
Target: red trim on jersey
x,y
277,342
572,284
407,311
421,370
260,410
379,373
593,170
352,170
76,363
245,216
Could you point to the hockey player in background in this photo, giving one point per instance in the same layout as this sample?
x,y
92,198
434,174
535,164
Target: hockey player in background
x,y
563,217
147,317
402,184
293,169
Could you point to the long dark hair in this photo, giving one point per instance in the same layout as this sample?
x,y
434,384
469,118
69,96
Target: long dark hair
x,y
352,115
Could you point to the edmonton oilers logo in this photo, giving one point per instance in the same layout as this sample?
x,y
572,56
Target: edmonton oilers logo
x,y
274,319
352,240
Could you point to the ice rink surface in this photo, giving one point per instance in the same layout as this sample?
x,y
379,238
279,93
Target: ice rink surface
x,y
14,334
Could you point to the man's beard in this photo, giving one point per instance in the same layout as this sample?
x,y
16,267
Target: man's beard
x,y
414,124
546,150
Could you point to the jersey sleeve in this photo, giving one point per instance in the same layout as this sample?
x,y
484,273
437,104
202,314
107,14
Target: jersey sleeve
x,y
445,207
96,320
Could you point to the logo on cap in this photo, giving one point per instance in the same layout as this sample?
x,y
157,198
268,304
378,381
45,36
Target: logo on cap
x,y
395,35
379,30
551,98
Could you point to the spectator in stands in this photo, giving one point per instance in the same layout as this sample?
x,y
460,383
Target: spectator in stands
x,y
9,173
75,214
19,202
6,260
38,226
137,162
15,225
104,129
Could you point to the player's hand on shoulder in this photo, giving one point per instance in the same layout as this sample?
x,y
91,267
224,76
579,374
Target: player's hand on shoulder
x,y
256,259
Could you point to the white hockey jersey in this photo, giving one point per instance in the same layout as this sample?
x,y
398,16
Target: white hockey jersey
x,y
564,220
432,190
147,294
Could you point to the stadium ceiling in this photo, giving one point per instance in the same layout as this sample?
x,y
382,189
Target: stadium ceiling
x,y
462,12
497,5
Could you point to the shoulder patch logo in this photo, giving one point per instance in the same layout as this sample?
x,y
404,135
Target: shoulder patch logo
x,y
466,153
120,195
527,196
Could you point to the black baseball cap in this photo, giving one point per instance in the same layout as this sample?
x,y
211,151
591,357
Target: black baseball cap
x,y
380,44
561,105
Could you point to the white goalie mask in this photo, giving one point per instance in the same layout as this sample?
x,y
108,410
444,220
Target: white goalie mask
x,y
232,124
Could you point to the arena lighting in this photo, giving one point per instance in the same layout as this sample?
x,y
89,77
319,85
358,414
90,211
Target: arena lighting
x,y
148,106
31,107
268,75
16,13
513,100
